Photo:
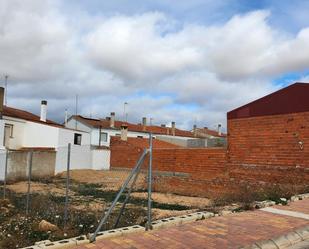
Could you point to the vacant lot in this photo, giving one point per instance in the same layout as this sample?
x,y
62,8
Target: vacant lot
x,y
91,192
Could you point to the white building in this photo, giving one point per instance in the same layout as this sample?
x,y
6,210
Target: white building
x,y
22,130
102,130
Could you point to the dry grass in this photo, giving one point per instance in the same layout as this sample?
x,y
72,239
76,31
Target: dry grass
x,y
36,187
193,202
109,179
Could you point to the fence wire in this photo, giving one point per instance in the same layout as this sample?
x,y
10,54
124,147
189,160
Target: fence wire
x,y
41,204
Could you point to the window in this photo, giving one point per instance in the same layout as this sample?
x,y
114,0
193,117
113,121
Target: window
x,y
140,136
77,139
103,137
9,130
117,134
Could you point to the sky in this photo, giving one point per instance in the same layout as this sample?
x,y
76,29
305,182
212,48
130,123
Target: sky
x,y
185,61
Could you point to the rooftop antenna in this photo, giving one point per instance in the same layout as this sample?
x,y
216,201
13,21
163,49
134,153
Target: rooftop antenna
x,y
76,110
6,89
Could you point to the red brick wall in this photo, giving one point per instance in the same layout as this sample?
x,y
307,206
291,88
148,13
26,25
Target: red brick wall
x,y
268,148
177,170
261,151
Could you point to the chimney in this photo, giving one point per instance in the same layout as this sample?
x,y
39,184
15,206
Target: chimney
x,y
112,120
43,110
124,132
1,100
195,130
163,125
144,122
219,130
173,128
65,117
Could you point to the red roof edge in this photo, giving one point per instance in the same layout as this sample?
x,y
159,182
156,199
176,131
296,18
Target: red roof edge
x,y
291,99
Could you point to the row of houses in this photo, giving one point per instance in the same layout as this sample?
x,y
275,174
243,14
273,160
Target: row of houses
x,y
90,138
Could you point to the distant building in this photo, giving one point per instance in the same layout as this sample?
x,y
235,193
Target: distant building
x,y
102,130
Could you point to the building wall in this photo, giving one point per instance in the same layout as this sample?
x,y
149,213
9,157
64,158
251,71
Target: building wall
x,y
72,124
100,159
43,165
15,142
186,171
40,135
269,149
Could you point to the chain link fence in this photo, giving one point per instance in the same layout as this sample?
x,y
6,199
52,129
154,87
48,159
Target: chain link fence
x,y
37,204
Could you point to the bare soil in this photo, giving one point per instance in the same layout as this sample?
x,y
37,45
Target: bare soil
x,y
91,192
109,179
192,202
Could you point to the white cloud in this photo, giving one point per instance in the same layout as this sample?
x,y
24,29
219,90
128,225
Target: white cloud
x,y
165,69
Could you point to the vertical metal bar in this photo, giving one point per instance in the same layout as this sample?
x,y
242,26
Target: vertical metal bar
x,y
5,173
67,185
127,197
29,180
148,226
104,219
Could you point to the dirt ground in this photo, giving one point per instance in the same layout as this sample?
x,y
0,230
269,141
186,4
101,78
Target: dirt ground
x,y
109,179
91,192
194,202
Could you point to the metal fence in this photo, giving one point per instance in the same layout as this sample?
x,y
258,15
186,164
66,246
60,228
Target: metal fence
x,y
73,202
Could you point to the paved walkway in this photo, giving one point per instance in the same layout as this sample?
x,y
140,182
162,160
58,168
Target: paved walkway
x,y
231,231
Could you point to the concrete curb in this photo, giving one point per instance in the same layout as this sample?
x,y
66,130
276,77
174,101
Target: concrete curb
x,y
176,221
284,241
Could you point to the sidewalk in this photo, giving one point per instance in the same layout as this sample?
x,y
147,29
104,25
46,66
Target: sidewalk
x,y
231,231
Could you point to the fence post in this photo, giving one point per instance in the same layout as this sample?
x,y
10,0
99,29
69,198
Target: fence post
x,y
29,180
5,173
67,185
148,226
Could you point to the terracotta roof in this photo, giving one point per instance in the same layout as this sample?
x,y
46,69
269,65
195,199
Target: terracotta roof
x,y
143,143
21,114
291,99
205,131
104,123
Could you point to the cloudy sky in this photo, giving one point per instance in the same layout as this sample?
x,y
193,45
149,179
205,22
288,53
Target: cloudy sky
x,y
171,60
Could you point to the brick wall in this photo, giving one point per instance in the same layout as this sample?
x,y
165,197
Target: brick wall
x,y
269,149
262,151
177,170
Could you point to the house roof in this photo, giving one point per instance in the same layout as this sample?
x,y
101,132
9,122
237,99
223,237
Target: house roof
x,y
104,123
21,114
206,131
143,143
291,99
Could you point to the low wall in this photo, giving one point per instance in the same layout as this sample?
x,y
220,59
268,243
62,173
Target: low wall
x,y
185,171
43,164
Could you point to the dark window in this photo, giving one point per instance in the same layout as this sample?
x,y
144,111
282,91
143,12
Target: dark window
x,y
103,137
77,138
140,136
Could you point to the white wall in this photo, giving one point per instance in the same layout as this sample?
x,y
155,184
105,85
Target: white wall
x,y
2,164
67,136
40,135
80,158
101,159
80,126
15,142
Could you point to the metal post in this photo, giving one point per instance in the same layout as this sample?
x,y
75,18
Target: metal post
x,y
104,219
29,180
127,198
148,226
67,185
5,173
